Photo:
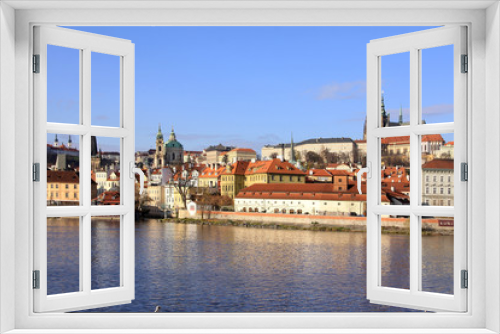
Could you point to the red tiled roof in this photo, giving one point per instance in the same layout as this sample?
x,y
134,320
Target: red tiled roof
x,y
360,141
439,164
238,168
62,176
396,140
451,143
109,198
211,173
427,138
304,191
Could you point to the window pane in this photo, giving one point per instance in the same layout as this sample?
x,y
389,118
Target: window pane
x,y
63,85
63,255
105,164
437,254
105,252
437,169
395,104
63,170
105,90
395,165
395,252
437,84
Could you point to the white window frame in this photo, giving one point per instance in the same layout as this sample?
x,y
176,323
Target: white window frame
x,y
484,263
85,43
413,44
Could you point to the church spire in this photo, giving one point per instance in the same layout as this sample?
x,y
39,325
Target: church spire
x,y
70,142
56,141
292,150
172,135
159,135
384,116
400,114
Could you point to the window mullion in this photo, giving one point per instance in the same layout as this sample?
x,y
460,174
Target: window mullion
x,y
415,242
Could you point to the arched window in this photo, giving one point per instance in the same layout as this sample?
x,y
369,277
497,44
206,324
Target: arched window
x,y
173,156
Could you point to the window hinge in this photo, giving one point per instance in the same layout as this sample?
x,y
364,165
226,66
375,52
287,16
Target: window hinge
x,y
464,173
36,172
465,279
36,63
36,279
465,64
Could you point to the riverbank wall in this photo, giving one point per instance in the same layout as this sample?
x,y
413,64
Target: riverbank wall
x,y
396,225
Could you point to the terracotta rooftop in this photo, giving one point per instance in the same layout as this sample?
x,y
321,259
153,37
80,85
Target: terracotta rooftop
x,y
439,164
300,191
62,176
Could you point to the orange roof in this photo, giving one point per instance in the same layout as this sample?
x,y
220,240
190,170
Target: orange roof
x,y
238,168
451,143
439,164
427,138
304,191
212,173
396,140
275,166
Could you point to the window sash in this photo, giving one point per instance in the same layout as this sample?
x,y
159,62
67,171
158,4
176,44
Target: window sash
x,y
412,43
86,297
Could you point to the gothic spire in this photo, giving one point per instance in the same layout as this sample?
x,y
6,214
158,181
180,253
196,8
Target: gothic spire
x,y
400,114
292,149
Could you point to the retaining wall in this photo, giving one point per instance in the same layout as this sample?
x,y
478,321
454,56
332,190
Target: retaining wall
x,y
357,223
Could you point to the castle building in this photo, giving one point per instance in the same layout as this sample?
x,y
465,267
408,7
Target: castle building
x,y
169,153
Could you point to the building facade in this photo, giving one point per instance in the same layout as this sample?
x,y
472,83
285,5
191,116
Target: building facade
x,y
437,182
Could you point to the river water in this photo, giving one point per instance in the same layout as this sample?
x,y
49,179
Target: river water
x,y
194,268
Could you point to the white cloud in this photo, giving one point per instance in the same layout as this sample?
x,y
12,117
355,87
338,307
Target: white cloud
x,y
342,91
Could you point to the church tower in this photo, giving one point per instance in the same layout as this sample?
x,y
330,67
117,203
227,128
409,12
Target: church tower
x,y
292,151
384,121
174,151
159,160
401,115
70,142
56,142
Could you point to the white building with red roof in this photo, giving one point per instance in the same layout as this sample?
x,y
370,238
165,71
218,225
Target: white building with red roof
x,y
437,182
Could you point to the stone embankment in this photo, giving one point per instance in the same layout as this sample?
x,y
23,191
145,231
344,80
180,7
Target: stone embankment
x,y
430,226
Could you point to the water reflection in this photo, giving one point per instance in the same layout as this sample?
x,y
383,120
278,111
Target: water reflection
x,y
191,268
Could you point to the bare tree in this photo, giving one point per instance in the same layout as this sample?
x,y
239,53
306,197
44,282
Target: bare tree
x,y
184,182
274,155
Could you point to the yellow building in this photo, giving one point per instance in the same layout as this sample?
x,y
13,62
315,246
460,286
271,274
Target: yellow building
x,y
233,178
210,178
244,174
63,188
240,154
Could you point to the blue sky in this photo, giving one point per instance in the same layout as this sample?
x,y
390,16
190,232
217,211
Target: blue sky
x,y
248,86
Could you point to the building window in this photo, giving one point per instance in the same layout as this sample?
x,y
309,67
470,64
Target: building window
x,y
441,191
434,190
427,178
427,190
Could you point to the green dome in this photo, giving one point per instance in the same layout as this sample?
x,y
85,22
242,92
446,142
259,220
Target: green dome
x,y
173,144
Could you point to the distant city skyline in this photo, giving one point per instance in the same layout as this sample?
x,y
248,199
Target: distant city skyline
x,y
249,86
